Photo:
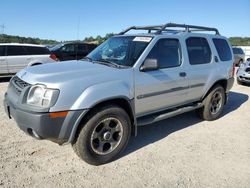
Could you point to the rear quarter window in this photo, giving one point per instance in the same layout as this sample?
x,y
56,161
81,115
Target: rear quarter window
x,y
16,51
37,50
223,49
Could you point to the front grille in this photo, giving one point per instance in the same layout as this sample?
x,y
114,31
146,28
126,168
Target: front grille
x,y
247,69
18,85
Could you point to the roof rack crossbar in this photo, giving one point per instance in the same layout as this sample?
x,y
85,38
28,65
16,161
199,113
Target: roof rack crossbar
x,y
161,28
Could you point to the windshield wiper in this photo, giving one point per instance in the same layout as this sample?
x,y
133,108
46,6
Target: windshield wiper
x,y
107,62
87,58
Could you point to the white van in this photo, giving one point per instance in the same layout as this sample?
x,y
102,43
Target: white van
x,y
14,57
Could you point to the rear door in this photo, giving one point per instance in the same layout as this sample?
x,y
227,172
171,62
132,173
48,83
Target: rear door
x,y
17,58
68,52
82,51
163,88
38,54
3,61
202,66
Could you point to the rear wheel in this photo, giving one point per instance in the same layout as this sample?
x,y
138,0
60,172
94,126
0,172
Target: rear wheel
x,y
104,136
213,104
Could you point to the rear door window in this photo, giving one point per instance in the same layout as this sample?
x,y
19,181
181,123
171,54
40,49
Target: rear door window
x,y
82,48
2,50
199,51
223,49
34,50
16,51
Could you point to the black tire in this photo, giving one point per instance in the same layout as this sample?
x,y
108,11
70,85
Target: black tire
x,y
208,111
90,142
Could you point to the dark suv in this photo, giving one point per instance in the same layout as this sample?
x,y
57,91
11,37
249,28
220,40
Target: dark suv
x,y
71,51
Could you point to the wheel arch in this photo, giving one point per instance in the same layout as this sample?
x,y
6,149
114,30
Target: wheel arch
x,y
222,82
123,102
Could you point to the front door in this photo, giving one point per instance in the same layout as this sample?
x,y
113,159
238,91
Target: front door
x,y
163,88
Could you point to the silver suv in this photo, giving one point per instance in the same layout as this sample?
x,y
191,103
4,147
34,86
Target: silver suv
x,y
129,81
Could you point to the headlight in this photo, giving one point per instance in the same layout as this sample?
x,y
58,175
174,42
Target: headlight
x,y
42,97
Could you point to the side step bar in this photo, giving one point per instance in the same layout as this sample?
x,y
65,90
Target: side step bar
x,y
149,119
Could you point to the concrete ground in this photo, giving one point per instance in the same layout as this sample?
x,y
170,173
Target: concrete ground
x,y
179,152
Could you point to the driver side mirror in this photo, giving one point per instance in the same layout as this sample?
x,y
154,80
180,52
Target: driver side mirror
x,y
149,65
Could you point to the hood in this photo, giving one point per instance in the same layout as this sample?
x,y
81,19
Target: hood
x,y
68,71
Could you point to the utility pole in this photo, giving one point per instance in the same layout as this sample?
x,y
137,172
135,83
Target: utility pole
x,y
3,28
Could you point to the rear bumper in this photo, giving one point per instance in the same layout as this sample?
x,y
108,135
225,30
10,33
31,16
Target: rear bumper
x,y
41,125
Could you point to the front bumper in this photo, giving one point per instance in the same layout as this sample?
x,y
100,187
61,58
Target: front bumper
x,y
243,76
41,125
244,79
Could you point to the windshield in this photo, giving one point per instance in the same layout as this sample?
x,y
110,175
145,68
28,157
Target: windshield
x,y
56,47
122,51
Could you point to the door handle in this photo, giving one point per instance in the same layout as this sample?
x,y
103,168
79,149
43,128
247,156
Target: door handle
x,y
2,59
183,74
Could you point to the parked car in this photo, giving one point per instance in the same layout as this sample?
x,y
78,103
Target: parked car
x,y
243,73
128,81
71,51
14,57
239,56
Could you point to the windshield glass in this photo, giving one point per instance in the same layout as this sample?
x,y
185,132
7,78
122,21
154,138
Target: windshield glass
x,y
122,51
56,47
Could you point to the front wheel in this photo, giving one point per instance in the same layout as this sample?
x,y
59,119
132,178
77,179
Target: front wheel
x,y
213,104
104,136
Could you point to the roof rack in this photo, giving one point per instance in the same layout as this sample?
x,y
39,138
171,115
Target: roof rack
x,y
160,28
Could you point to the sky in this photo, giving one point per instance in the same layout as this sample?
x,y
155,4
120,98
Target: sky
x,y
76,19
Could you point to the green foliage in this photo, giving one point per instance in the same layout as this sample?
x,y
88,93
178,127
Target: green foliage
x,y
235,41
98,39
240,41
17,39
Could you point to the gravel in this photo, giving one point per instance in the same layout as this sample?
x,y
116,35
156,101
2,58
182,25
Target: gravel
x,y
179,152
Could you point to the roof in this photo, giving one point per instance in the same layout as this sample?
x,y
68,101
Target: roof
x,y
20,44
171,29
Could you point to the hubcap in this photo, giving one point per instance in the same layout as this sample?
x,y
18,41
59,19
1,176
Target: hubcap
x,y
216,102
106,136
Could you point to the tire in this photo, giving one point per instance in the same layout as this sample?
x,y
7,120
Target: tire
x,y
213,104
104,136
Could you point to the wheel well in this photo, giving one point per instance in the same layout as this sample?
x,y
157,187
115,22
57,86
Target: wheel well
x,y
123,103
222,83
35,64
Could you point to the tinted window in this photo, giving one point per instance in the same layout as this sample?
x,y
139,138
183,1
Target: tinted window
x,y
69,48
199,51
167,52
223,49
16,50
2,50
238,51
37,50
82,48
